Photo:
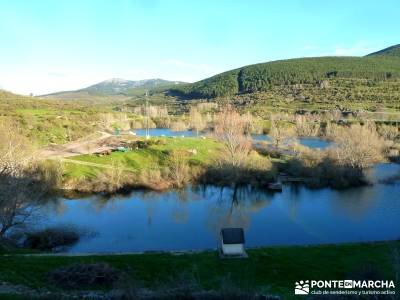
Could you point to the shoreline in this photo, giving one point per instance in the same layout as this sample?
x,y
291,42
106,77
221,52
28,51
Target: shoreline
x,y
267,270
196,251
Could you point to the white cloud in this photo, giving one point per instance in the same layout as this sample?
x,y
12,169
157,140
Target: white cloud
x,y
360,48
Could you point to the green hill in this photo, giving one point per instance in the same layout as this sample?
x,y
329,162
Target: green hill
x,y
390,51
263,77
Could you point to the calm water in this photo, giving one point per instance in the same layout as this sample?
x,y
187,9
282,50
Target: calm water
x,y
165,132
191,218
310,142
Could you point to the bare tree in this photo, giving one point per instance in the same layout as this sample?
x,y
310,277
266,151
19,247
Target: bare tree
x,y
197,122
23,182
179,171
16,151
280,132
229,128
307,125
388,132
358,146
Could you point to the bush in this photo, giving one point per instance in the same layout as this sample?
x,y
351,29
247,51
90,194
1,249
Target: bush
x,y
84,276
178,168
51,238
321,169
255,169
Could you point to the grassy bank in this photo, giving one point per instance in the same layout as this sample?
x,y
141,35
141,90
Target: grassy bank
x,y
195,151
157,164
271,270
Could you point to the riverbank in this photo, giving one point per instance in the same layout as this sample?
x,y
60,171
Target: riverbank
x,y
268,270
155,164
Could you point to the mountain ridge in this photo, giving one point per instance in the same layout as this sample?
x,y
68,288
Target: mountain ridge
x,y
307,70
113,87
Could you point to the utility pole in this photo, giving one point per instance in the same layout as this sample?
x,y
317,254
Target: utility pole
x,y
147,115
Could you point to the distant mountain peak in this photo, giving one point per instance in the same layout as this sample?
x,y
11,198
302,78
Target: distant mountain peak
x,y
116,80
116,86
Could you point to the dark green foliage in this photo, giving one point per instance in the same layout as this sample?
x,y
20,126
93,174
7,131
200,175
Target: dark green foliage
x,y
262,77
51,238
84,276
224,84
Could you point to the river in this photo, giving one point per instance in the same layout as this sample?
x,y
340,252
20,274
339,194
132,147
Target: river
x,y
191,218
310,142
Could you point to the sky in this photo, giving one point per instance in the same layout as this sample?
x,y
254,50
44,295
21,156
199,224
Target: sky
x,y
48,45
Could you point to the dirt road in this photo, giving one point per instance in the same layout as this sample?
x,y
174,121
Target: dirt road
x,y
83,146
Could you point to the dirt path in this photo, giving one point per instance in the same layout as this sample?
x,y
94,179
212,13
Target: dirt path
x,y
86,163
92,164
83,146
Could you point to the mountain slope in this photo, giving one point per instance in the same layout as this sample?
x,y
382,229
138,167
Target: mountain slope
x,y
262,77
117,86
114,87
390,51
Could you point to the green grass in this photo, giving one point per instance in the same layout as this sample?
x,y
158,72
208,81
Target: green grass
x,y
152,157
271,270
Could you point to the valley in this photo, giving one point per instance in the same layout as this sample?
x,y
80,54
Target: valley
x,y
302,153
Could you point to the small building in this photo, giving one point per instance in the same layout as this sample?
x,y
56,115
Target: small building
x,y
232,242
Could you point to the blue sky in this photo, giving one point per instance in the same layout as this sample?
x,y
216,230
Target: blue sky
x,y
49,45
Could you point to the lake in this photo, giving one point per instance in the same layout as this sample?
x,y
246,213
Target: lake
x,y
311,142
191,218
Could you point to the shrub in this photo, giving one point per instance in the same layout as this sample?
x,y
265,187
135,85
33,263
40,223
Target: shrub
x,y
255,169
51,238
178,126
358,146
178,168
321,168
84,276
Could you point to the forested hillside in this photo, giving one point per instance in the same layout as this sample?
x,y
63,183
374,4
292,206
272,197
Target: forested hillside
x,y
262,77
390,51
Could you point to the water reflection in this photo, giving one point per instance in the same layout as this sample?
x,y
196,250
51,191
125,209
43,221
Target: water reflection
x,y
311,142
234,207
191,218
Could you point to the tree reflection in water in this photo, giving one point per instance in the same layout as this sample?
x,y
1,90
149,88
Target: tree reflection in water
x,y
234,207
